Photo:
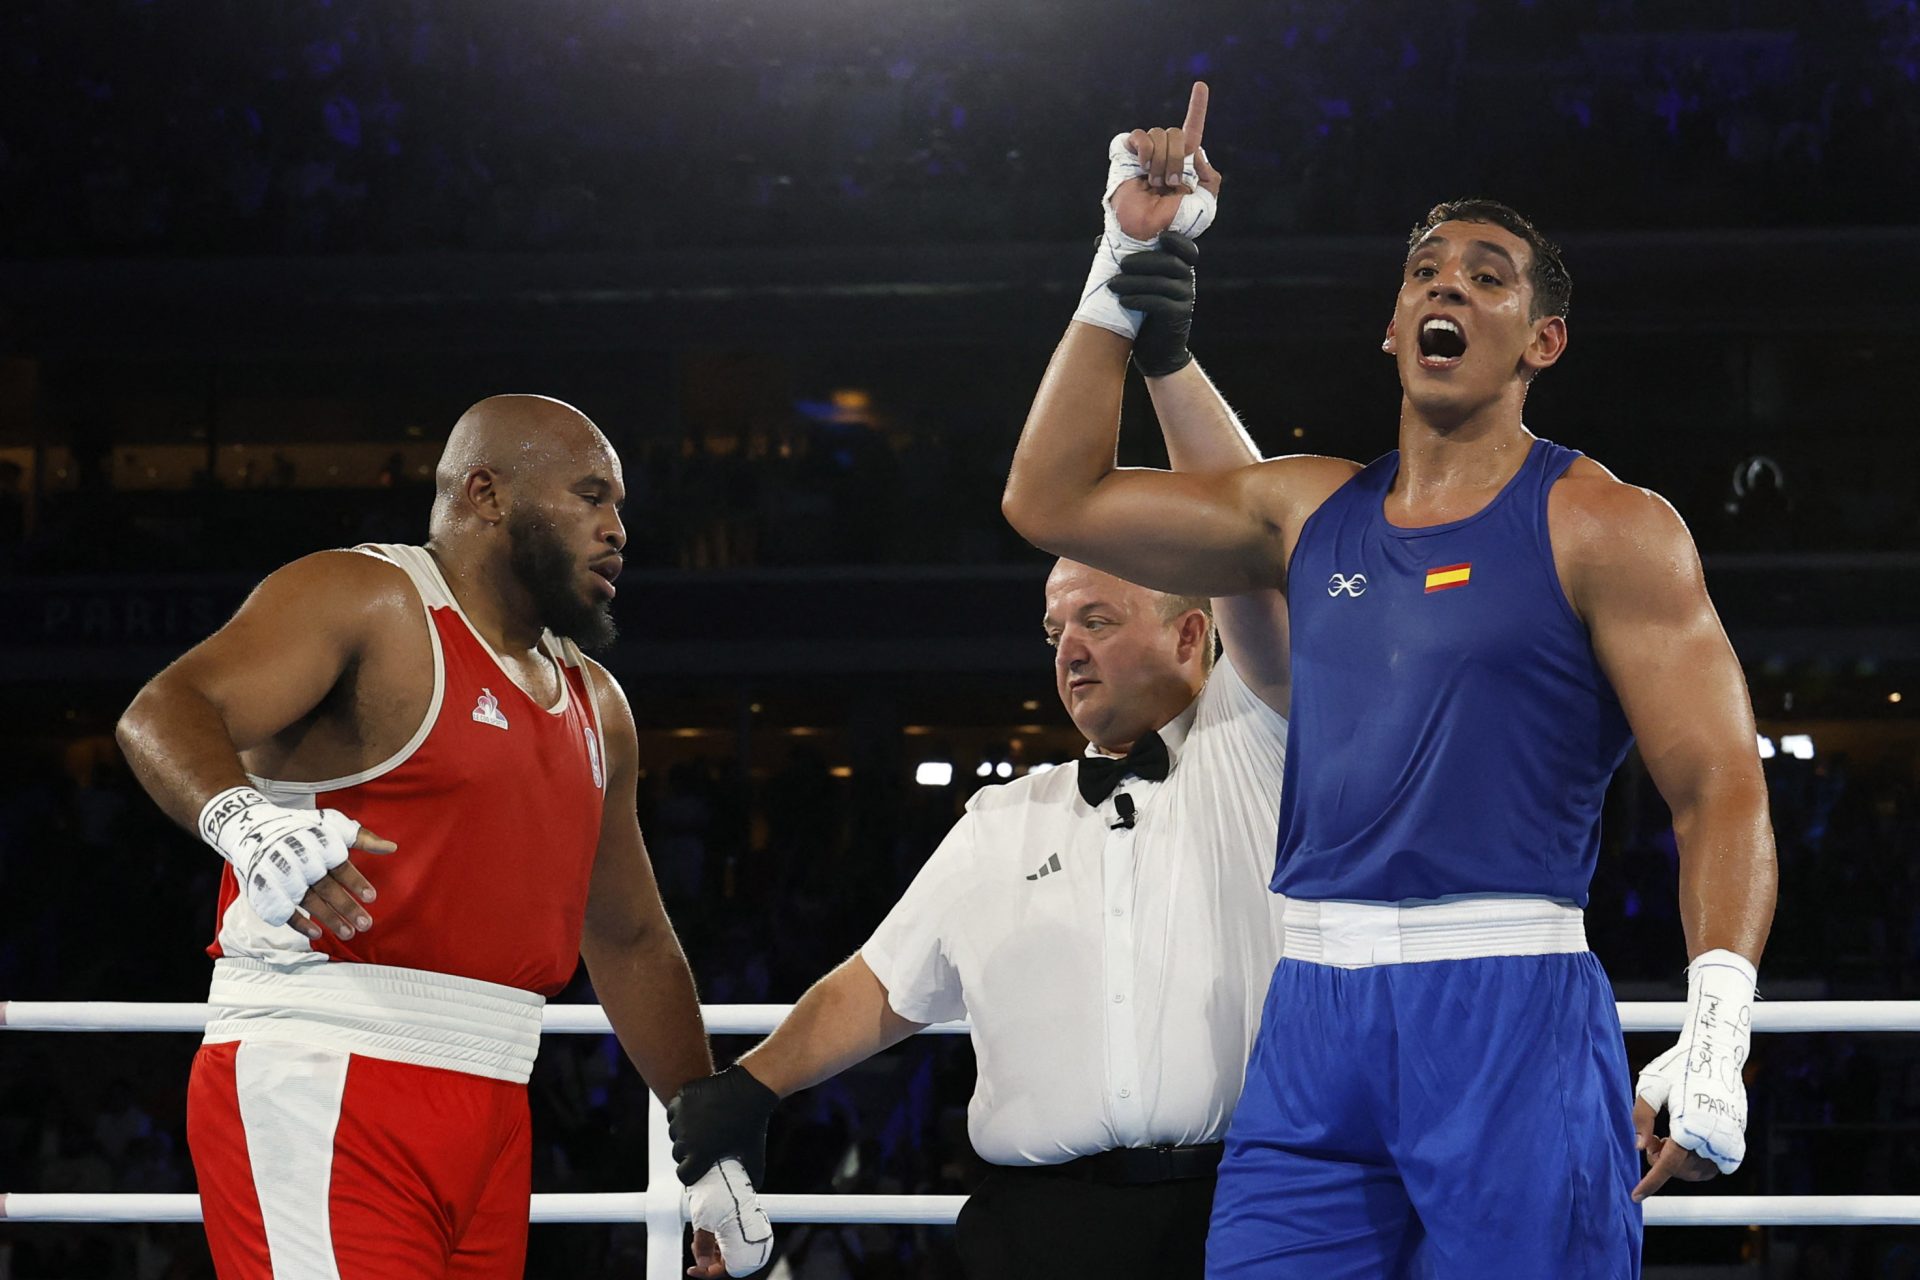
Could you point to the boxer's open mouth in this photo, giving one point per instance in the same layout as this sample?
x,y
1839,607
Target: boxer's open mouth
x,y
1443,343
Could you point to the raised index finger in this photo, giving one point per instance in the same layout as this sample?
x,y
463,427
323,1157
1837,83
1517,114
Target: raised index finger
x,y
1196,117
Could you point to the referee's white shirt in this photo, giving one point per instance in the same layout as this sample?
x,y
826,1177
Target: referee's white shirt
x,y
1114,976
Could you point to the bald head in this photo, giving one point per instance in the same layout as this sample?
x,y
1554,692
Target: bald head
x,y
528,519
523,439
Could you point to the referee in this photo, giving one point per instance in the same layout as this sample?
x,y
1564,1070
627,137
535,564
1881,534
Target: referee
x,y
1107,928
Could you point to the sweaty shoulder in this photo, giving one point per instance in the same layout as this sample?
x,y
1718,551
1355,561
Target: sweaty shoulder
x,y
616,716
1306,479
345,584
334,603
615,711
1608,534
1293,487
338,628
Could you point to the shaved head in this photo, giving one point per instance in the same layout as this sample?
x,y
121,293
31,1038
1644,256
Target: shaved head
x,y
528,491
521,437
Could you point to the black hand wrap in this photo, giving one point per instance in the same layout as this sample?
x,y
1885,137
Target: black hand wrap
x,y
722,1115
1159,284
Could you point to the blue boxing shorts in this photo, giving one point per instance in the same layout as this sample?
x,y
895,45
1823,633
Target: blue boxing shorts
x,y
1445,1119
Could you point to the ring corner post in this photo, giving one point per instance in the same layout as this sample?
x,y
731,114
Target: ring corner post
x,y
665,1200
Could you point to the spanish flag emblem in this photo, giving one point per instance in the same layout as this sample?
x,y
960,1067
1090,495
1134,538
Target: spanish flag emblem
x,y
1445,579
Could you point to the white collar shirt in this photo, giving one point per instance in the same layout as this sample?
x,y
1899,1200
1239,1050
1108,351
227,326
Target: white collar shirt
x,y
1114,975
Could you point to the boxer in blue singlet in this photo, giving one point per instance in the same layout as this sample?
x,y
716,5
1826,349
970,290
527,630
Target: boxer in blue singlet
x,y
1483,622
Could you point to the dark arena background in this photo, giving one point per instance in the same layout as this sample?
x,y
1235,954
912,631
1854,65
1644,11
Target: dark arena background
x,y
804,263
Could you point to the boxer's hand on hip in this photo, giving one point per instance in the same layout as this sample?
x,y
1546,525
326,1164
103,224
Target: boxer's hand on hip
x,y
290,861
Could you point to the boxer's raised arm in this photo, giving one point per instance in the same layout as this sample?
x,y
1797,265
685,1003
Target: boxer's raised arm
x,y
1214,533
1222,532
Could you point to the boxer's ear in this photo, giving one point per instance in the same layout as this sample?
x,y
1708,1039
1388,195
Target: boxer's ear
x,y
484,494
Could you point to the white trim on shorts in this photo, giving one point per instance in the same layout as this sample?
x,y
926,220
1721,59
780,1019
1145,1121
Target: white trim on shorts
x,y
289,1097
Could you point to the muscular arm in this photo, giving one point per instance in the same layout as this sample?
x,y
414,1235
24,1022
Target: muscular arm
x,y
1193,534
843,1019
1216,533
632,954
1203,434
270,665
1635,577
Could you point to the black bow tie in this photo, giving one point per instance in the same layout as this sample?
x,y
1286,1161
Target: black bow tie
x,y
1099,775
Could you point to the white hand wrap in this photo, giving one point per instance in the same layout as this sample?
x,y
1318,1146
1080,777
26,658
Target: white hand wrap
x,y
724,1202
1698,1081
1098,305
277,852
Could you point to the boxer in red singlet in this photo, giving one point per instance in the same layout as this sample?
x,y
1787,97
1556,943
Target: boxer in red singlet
x,y
358,1110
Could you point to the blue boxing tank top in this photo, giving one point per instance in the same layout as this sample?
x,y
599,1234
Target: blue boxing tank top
x,y
1451,730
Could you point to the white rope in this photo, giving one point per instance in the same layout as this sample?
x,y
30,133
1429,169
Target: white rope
x,y
1786,1015
630,1207
758,1019
557,1019
100,1015
662,1209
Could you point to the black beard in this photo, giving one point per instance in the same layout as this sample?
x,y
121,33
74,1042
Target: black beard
x,y
544,567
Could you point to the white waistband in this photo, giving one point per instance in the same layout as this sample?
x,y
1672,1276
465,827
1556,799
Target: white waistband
x,y
1359,935
382,1011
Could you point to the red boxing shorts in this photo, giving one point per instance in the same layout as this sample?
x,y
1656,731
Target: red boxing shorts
x,y
363,1122
319,1164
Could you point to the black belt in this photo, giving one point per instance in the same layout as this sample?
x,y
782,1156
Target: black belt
x,y
1134,1166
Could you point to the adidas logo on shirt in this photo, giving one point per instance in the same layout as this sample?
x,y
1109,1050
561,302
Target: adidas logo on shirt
x,y
1047,868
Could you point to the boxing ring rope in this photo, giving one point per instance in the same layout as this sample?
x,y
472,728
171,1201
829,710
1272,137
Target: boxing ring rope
x,y
662,1206
758,1019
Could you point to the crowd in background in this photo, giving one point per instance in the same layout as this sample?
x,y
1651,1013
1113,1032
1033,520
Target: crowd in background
x,y
407,127
319,126
827,495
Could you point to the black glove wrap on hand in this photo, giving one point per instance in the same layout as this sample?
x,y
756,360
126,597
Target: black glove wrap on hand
x,y
723,1115
1159,284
